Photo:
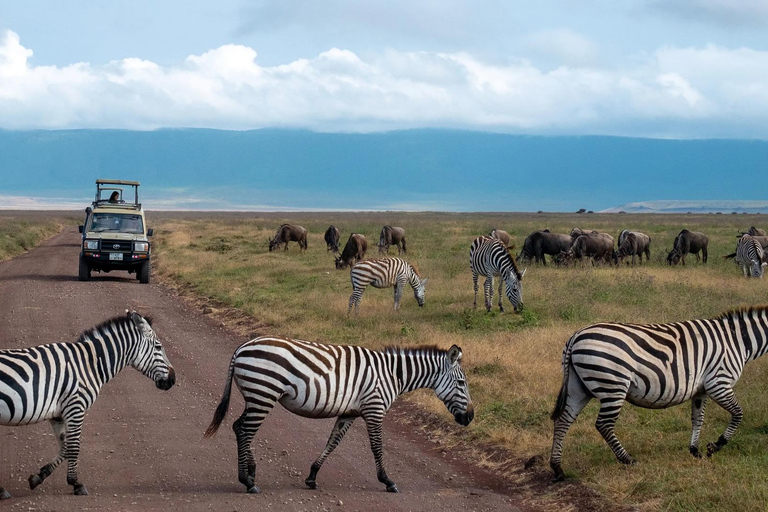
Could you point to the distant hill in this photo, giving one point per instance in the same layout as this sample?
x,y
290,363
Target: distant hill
x,y
416,170
692,207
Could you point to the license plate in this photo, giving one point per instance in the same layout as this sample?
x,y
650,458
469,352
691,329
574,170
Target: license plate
x,y
116,256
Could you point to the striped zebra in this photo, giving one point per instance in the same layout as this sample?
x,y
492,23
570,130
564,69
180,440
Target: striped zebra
x,y
489,257
749,256
383,273
328,381
657,366
59,382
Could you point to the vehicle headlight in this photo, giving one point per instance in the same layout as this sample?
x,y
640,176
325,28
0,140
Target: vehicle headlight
x,y
140,246
91,245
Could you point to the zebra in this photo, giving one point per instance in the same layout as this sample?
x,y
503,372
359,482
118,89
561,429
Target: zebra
x,y
383,273
657,366
489,257
59,382
316,380
749,256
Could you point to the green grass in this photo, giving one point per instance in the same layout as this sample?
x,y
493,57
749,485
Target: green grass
x,y
512,360
20,232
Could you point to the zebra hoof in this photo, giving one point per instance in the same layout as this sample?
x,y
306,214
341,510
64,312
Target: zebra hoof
x,y
254,490
392,488
695,451
4,495
80,490
312,484
712,449
34,481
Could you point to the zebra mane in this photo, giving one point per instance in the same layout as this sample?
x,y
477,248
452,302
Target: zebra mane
x,y
119,321
744,311
423,350
514,266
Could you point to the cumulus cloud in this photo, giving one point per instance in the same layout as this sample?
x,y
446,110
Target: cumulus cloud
x,y
674,92
565,45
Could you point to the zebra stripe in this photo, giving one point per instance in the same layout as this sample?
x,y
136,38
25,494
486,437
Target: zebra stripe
x,y
328,381
657,366
489,257
383,273
59,382
749,256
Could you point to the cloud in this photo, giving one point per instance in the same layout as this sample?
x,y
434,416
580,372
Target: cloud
x,y
726,13
565,45
674,92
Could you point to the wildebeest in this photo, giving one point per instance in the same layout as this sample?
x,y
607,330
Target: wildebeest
x,y
502,235
633,243
688,242
288,233
332,238
392,236
598,246
753,231
540,243
577,232
353,251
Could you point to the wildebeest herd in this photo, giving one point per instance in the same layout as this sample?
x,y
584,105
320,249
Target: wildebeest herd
x,y
653,366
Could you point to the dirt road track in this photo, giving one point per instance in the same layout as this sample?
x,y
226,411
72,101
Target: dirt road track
x,y
143,448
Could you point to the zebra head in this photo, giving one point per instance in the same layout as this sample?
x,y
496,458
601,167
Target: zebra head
x,y
452,388
149,357
418,292
758,267
514,288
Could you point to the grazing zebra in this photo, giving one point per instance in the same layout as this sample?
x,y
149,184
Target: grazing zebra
x,y
328,381
59,382
383,273
749,256
489,257
657,366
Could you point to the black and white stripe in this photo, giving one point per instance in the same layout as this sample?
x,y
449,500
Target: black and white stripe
x,y
657,366
749,256
59,382
384,273
489,257
328,381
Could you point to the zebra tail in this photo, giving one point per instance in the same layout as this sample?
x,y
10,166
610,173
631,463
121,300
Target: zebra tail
x,y
562,397
729,256
223,407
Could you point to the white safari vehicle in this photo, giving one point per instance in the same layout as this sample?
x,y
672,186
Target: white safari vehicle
x,y
115,234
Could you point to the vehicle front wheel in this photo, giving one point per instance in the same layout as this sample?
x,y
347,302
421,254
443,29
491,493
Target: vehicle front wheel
x,y
143,273
84,270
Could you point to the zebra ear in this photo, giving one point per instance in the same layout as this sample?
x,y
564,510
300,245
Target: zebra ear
x,y
424,281
454,354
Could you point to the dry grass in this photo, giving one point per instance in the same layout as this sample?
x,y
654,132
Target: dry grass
x,y
512,361
21,231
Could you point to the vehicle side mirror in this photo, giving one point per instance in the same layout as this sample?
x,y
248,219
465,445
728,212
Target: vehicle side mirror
x,y
80,228
150,232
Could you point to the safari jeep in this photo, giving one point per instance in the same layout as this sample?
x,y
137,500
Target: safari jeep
x,y
115,234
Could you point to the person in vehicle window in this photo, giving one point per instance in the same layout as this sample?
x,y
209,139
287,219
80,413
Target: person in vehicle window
x,y
115,197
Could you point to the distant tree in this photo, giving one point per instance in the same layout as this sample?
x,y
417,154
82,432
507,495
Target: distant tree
x,y
582,210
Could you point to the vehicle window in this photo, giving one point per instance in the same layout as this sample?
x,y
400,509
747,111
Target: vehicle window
x,y
116,223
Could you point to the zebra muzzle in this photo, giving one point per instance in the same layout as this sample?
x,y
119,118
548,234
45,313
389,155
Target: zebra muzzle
x,y
465,418
167,383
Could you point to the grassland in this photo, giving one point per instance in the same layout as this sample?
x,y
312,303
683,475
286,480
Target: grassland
x,y
21,231
512,360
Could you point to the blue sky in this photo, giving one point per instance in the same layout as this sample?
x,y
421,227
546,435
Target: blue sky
x,y
654,68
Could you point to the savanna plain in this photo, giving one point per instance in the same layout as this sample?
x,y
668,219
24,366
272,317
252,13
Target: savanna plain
x,y
513,361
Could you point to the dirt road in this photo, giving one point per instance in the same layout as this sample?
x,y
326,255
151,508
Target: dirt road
x,y
143,448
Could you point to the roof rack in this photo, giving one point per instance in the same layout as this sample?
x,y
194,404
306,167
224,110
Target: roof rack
x,y
114,186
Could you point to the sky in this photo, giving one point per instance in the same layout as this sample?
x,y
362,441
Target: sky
x,y
688,69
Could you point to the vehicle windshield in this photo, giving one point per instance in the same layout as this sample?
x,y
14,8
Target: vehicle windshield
x,y
116,223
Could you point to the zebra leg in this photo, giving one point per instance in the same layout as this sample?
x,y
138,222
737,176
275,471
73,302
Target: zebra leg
x,y
399,286
45,471
4,495
245,427
354,299
501,294
73,425
373,422
577,399
474,284
725,398
488,288
610,408
698,404
337,434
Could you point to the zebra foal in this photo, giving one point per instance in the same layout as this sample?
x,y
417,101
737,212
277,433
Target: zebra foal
x,y
383,273
328,381
59,382
489,257
657,366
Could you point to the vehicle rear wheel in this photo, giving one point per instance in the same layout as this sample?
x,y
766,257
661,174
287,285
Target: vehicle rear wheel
x,y
143,272
84,270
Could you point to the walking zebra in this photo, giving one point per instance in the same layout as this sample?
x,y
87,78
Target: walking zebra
x,y
59,382
328,381
657,366
749,256
383,273
489,257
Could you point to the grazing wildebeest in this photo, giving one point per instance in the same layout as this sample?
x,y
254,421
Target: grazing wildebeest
x,y
392,236
753,231
540,243
577,232
353,251
633,243
288,233
598,246
502,235
332,238
688,242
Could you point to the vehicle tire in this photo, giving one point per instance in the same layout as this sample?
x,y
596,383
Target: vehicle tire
x,y
143,272
84,271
